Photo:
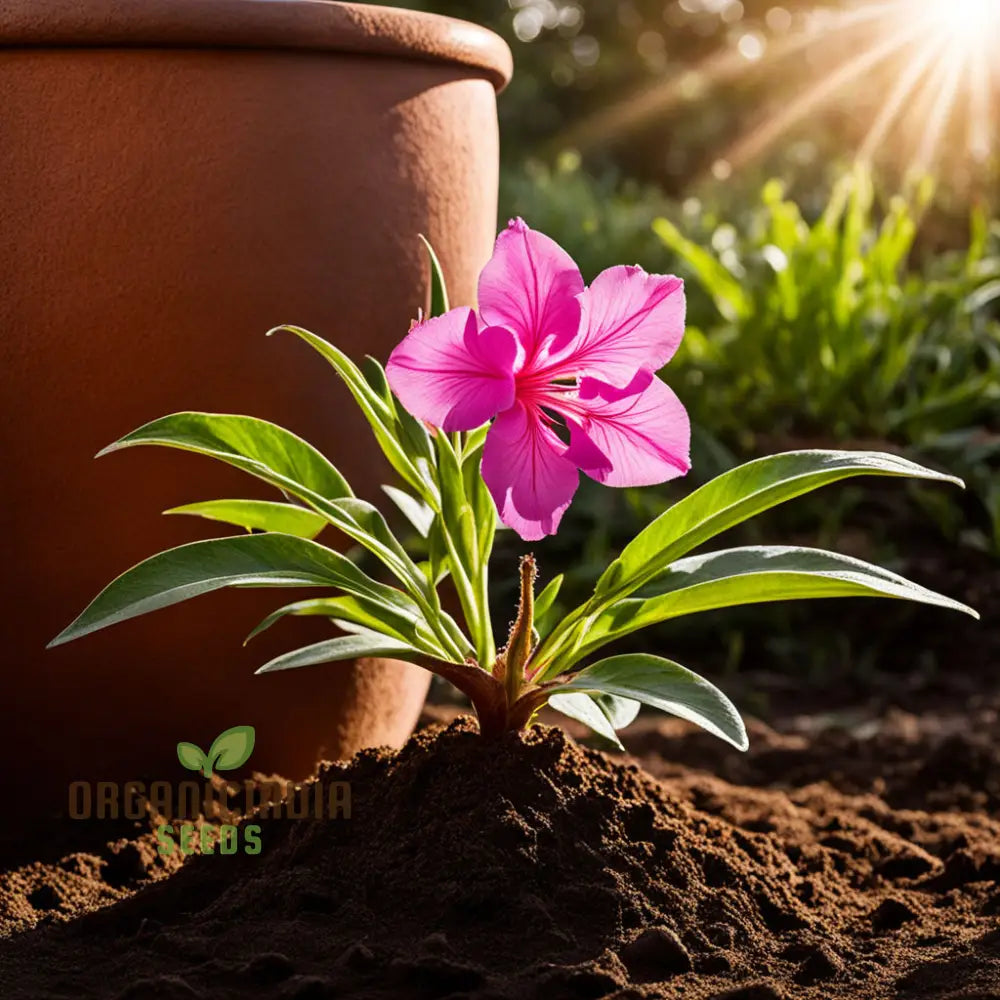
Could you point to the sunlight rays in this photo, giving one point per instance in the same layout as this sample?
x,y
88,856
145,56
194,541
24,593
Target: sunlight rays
x,y
980,106
913,78
942,53
948,76
723,67
967,22
820,94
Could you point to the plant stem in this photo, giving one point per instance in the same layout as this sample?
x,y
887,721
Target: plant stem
x,y
468,598
484,640
519,643
484,691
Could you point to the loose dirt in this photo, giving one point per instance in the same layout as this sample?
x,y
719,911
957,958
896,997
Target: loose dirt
x,y
852,861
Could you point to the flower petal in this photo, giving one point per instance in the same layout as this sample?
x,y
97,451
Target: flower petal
x,y
643,430
530,285
630,320
525,469
449,373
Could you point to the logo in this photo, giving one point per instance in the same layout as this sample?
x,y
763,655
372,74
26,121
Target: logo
x,y
215,815
229,751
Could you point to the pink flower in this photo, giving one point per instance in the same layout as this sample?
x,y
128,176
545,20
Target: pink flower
x,y
550,358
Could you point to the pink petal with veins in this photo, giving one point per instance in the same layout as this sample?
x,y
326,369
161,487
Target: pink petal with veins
x,y
453,375
530,285
643,430
526,471
630,321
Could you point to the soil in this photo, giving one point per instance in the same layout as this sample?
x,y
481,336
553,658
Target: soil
x,y
851,860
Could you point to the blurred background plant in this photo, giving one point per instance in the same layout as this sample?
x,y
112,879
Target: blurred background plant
x,y
841,332
826,178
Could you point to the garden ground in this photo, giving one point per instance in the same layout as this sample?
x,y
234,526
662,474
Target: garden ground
x,y
849,853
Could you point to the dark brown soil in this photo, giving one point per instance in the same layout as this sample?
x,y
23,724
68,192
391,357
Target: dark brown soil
x,y
837,863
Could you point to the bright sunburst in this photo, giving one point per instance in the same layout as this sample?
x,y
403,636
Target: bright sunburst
x,y
942,58
969,22
958,42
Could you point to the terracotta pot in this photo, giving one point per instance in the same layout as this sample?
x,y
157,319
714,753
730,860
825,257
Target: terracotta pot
x,y
178,176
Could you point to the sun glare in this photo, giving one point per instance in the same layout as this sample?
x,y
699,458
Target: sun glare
x,y
939,58
968,22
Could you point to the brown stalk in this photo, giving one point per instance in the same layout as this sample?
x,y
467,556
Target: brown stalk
x,y
502,698
487,694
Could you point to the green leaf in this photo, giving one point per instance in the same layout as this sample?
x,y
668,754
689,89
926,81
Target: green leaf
x,y
484,512
418,445
459,532
347,612
737,495
320,607
232,748
260,515
416,511
451,481
348,647
263,449
278,457
439,289
748,567
191,756
437,552
751,575
369,528
374,374
270,560
474,442
409,431
665,685
603,713
381,418
547,597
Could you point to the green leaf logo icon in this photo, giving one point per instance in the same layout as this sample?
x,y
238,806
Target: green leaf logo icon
x,y
229,750
190,756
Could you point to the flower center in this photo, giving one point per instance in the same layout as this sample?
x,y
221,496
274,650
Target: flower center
x,y
539,387
552,399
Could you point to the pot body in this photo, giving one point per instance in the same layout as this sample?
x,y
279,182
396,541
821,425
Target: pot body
x,y
162,208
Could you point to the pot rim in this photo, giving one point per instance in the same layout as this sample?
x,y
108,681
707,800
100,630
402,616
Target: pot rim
x,y
306,25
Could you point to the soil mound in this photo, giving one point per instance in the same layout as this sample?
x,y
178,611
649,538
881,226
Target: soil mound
x,y
535,867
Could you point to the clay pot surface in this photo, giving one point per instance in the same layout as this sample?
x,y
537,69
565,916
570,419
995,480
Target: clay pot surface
x,y
179,176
